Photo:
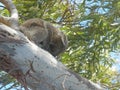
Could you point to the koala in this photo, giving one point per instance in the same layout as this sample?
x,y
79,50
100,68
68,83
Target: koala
x,y
45,35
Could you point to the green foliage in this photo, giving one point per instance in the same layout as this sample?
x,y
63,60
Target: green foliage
x,y
90,34
7,82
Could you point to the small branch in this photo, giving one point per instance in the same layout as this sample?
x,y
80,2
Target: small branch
x,y
11,21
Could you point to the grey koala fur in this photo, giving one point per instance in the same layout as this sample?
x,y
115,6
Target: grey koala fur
x,y
45,35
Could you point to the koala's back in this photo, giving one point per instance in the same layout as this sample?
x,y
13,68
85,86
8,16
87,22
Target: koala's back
x,y
35,30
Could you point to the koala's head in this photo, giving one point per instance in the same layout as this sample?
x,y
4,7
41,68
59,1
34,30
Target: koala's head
x,y
56,42
58,45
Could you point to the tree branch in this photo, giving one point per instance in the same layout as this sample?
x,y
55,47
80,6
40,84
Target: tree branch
x,y
11,21
35,68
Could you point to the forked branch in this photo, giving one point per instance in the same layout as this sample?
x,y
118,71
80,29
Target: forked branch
x,y
11,21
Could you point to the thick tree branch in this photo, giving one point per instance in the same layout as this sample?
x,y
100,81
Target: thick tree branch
x,y
34,67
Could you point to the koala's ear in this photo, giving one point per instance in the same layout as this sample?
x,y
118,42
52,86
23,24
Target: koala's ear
x,y
65,40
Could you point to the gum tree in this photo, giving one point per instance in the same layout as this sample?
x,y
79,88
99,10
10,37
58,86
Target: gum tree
x,y
32,66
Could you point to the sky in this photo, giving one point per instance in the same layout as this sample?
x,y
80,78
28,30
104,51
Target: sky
x,y
116,56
